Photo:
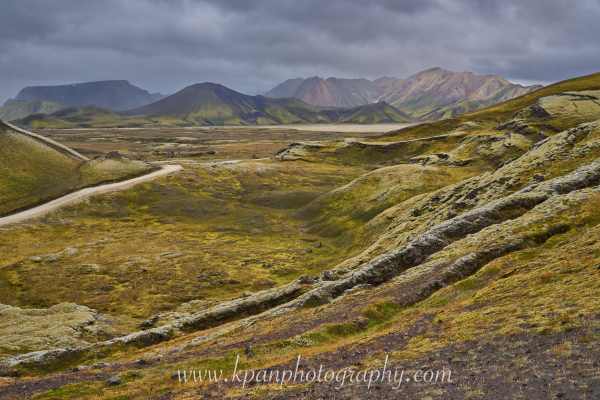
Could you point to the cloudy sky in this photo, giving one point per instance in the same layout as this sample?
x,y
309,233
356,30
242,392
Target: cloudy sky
x,y
250,45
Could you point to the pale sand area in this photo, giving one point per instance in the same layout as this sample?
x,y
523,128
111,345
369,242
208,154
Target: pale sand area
x,y
366,128
369,128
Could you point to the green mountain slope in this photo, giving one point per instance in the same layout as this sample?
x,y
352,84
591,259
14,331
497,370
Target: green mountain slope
x,y
71,117
213,104
32,172
375,113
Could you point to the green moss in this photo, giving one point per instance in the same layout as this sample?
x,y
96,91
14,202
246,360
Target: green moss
x,y
206,233
72,391
381,312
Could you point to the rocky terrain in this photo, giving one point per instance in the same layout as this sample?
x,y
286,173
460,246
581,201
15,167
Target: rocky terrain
x,y
469,244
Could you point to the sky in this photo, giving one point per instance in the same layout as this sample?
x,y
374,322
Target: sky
x,y
251,45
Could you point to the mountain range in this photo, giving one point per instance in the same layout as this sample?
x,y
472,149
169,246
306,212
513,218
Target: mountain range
x,y
214,104
428,95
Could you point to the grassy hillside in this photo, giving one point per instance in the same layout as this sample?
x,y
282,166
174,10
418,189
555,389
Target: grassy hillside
x,y
31,172
84,117
470,245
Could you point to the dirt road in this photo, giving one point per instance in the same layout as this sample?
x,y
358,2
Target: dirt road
x,y
83,194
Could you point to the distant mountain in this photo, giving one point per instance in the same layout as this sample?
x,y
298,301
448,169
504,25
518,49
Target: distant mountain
x,y
17,109
331,92
431,94
118,95
437,93
213,104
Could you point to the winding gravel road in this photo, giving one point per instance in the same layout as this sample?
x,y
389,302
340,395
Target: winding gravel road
x,y
83,194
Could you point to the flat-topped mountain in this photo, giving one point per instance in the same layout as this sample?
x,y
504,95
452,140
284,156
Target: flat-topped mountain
x,y
431,94
116,95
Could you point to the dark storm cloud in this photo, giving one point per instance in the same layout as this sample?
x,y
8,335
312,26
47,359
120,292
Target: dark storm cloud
x,y
251,45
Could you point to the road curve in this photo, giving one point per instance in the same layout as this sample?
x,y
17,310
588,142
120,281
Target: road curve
x,y
83,194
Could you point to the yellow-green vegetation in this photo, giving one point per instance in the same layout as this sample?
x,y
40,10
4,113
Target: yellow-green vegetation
x,y
471,243
80,118
31,172
209,233
343,213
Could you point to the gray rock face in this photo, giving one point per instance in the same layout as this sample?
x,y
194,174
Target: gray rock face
x,y
51,258
39,358
63,325
213,316
244,306
114,381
